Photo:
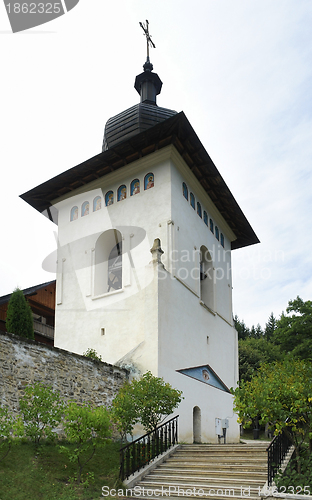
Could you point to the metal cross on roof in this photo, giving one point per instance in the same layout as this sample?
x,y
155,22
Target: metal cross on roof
x,y
148,38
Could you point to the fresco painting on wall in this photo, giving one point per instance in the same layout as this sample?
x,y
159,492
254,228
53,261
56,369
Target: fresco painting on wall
x,y
207,375
122,193
74,214
149,181
109,198
199,209
135,187
97,203
85,209
185,191
192,200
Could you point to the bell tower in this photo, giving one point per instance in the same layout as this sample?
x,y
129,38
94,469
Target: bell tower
x,y
146,229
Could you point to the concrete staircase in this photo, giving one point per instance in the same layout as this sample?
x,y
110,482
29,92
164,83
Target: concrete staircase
x,y
209,471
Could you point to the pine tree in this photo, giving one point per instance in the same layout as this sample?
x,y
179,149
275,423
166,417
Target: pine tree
x,y
19,316
270,327
241,328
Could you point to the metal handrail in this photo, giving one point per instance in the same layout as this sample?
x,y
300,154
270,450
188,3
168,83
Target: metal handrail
x,y
141,451
277,450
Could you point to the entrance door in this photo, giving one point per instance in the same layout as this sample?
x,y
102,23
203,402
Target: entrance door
x,y
196,425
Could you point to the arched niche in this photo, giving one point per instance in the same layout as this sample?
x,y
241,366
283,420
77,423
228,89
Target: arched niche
x,y
108,262
196,424
206,278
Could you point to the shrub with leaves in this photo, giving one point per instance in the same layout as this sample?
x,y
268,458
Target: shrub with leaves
x,y
11,429
19,318
148,400
291,477
88,428
155,400
281,394
123,410
42,411
92,354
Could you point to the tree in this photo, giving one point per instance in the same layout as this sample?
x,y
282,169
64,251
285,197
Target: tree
x,y
294,332
88,428
270,327
252,352
123,410
155,400
281,394
19,316
256,332
148,400
242,330
42,411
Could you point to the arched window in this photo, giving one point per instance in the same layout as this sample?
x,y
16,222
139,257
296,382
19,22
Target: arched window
x,y
192,200
149,181
109,198
108,262
206,278
211,225
114,278
199,209
185,191
222,239
121,193
97,203
135,187
85,207
74,214
217,232
205,218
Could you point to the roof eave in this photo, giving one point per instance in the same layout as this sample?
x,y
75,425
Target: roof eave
x,y
175,130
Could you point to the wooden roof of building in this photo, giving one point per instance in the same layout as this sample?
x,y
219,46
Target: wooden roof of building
x,y
175,130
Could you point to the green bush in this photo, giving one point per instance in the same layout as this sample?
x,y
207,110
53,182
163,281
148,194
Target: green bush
x,y
42,411
11,429
291,477
148,400
88,428
92,354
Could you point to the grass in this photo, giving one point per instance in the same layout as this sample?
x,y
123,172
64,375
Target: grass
x,y
42,473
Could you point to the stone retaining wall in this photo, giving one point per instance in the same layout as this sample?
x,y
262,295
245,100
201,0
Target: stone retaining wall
x,y
24,361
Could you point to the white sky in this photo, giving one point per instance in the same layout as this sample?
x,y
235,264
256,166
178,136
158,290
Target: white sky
x,y
241,72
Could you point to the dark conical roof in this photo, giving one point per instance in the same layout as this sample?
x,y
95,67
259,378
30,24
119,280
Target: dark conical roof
x,y
140,117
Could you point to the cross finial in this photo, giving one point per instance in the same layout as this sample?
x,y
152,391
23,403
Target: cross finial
x,y
149,41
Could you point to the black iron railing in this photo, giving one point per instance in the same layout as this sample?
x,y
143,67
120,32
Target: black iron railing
x,y
140,452
277,451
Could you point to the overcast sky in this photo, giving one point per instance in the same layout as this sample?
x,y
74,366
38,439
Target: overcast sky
x,y
241,72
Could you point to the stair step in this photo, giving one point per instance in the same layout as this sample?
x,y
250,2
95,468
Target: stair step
x,y
187,490
212,496
223,447
208,480
227,471
158,495
200,486
259,476
213,467
226,460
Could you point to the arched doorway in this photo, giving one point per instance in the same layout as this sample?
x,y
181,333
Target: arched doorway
x,y
196,425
